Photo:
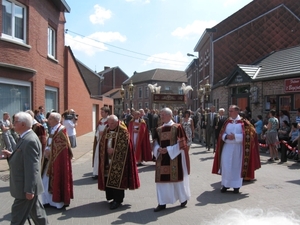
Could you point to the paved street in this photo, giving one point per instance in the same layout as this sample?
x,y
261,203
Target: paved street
x,y
276,187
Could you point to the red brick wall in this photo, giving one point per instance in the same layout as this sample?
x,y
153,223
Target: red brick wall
x,y
108,82
39,13
273,31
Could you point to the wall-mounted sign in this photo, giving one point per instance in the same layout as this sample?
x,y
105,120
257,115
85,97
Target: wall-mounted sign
x,y
240,78
171,98
292,85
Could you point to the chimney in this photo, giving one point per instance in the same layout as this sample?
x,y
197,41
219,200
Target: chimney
x,y
106,67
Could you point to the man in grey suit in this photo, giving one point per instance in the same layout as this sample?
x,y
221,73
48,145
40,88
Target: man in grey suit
x,y
210,128
25,174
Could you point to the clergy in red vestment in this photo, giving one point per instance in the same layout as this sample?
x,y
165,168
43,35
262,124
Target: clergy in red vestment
x,y
172,163
57,168
117,165
237,153
139,136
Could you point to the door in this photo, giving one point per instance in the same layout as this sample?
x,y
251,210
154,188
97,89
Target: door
x,y
242,103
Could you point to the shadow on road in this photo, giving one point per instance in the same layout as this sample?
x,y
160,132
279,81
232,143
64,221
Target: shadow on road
x,y
216,197
145,216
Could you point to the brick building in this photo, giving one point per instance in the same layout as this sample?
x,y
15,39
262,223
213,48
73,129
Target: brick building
x,y
253,32
113,77
270,83
170,82
35,67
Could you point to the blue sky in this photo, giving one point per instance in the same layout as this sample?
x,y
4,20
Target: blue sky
x,y
140,35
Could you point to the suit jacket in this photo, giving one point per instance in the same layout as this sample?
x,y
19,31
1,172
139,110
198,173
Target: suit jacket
x,y
209,120
150,118
25,167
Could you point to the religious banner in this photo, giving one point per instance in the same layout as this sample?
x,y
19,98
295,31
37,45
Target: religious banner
x,y
168,98
292,85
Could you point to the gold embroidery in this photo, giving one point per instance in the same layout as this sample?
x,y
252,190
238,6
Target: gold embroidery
x,y
111,135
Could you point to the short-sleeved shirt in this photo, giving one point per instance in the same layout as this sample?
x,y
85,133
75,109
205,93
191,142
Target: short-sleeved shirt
x,y
259,126
274,124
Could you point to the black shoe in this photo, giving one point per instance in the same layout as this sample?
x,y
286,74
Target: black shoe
x,y
183,204
236,190
223,189
159,208
114,205
208,149
95,177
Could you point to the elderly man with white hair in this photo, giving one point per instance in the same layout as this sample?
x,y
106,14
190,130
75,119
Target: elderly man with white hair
x,y
57,167
25,173
172,164
117,164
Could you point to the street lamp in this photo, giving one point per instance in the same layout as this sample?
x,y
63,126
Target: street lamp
x,y
122,93
131,90
191,55
200,94
204,91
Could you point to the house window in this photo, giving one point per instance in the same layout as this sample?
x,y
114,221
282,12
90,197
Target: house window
x,y
51,42
180,91
15,96
140,105
285,103
140,92
146,105
13,20
51,94
147,92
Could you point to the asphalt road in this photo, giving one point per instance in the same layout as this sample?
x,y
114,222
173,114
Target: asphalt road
x,y
276,187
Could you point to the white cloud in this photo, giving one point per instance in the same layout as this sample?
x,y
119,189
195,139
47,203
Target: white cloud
x,y
175,61
92,44
194,29
100,15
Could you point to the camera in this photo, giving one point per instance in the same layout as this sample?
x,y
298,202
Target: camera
x,y
70,115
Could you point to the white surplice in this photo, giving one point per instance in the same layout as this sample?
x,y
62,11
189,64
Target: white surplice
x,y
169,193
46,196
100,128
232,156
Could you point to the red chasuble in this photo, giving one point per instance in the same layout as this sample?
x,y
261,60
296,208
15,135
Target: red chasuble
x,y
39,130
60,168
167,169
120,168
142,149
251,159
